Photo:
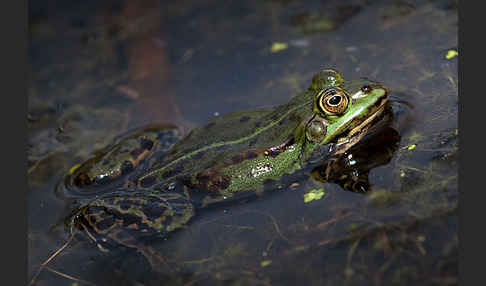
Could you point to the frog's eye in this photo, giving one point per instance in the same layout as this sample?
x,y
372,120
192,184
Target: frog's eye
x,y
333,101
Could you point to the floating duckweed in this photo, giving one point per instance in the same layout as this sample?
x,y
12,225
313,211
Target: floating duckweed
x,y
451,53
420,238
265,263
278,46
411,147
315,194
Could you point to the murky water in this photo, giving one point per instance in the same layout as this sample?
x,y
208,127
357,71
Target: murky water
x,y
97,70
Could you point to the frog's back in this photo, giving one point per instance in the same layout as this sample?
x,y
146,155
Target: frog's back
x,y
234,135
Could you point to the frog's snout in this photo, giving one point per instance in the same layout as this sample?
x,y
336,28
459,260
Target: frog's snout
x,y
383,98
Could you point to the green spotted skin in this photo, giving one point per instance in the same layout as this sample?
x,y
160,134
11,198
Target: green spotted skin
x,y
156,183
126,220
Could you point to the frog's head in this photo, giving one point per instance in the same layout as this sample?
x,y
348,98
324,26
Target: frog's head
x,y
344,110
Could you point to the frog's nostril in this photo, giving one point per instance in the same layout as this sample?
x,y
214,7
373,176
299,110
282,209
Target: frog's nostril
x,y
366,89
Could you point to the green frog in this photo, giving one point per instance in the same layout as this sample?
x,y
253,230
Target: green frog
x,y
153,181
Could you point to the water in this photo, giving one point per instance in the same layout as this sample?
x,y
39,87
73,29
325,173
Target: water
x,y
97,70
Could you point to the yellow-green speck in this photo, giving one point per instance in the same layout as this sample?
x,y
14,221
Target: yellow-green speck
x,y
315,194
411,147
451,53
402,174
74,168
265,263
278,46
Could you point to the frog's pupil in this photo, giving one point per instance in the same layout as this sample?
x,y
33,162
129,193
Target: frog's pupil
x,y
335,100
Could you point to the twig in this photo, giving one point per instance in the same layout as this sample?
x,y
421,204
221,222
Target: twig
x,y
49,260
69,277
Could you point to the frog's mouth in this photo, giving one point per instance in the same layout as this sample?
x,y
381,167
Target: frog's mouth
x,y
355,134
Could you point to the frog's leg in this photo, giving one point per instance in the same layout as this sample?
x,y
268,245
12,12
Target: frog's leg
x,y
128,155
132,220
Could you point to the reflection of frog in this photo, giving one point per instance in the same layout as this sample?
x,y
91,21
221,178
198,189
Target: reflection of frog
x,y
148,184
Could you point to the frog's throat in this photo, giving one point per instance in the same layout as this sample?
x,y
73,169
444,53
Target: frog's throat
x,y
237,141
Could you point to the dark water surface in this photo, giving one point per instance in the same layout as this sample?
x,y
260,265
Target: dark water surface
x,y
99,68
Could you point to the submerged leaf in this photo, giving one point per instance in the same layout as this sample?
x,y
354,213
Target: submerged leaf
x,y
315,194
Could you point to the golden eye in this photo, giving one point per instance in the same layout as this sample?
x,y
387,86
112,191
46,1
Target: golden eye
x,y
333,101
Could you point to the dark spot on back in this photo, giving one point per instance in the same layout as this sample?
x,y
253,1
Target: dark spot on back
x,y
251,154
237,159
125,205
106,223
146,144
128,219
257,124
126,167
290,140
136,152
226,182
147,182
221,182
244,119
154,211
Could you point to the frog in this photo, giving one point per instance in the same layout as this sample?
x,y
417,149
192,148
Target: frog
x,y
153,181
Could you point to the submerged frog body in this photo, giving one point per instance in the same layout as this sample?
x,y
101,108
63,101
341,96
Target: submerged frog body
x,y
146,184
